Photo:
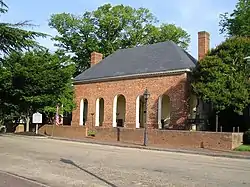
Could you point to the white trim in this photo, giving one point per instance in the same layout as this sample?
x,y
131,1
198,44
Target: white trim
x,y
114,111
135,75
97,112
137,112
81,112
159,111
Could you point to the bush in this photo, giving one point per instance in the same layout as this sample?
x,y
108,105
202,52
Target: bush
x,y
246,137
91,133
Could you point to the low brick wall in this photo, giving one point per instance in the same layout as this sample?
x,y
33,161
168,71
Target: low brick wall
x,y
237,139
192,139
63,131
160,138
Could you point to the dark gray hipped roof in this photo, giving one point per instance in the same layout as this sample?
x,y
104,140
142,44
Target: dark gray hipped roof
x,y
148,59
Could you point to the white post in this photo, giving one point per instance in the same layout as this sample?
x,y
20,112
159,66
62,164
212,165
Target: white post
x,y
114,111
81,112
97,112
159,112
37,128
137,113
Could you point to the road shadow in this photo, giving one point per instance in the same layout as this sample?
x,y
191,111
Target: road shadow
x,y
67,161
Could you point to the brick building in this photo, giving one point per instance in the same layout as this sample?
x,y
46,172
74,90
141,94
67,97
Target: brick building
x,y
110,93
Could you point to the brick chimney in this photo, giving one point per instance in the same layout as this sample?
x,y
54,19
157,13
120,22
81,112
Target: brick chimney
x,y
95,58
203,44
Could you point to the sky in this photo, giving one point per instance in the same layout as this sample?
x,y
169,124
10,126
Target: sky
x,y
192,15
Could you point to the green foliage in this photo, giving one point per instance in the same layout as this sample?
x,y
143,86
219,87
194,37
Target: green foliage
x,y
3,7
246,138
6,108
91,132
237,23
222,78
110,28
243,148
13,38
37,81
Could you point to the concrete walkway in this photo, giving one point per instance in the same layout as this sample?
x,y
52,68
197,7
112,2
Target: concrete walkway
x,y
206,152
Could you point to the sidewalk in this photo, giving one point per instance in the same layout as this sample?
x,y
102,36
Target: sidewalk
x,y
9,179
206,152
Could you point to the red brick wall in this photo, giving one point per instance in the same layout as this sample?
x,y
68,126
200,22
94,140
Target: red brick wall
x,y
159,138
198,139
95,58
63,131
203,44
175,86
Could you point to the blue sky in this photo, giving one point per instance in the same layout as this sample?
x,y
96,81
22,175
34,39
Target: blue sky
x,y
191,15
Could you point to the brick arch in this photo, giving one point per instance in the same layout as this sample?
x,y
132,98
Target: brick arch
x,y
164,110
119,110
140,111
99,106
83,111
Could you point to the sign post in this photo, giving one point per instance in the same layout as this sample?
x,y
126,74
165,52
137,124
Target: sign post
x,y
37,118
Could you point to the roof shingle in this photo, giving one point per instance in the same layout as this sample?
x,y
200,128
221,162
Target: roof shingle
x,y
159,57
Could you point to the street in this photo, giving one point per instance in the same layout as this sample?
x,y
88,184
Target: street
x,y
59,163
11,180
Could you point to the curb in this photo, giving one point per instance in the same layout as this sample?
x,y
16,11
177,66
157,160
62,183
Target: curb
x,y
183,151
25,136
24,178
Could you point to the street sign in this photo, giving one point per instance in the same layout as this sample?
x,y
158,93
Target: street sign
x,y
37,118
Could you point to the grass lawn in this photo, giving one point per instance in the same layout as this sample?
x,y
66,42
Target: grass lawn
x,y
243,148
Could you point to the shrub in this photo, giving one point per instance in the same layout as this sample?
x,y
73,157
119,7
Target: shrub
x,y
246,137
91,133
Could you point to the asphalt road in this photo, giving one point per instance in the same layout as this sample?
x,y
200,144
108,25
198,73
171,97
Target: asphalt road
x,y
10,180
58,163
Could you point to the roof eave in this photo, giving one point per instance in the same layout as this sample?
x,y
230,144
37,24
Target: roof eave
x,y
143,75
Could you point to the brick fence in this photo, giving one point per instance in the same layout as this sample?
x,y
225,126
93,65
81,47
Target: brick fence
x,y
160,138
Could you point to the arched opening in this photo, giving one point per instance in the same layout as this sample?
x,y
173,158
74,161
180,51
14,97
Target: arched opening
x,y
192,106
164,111
99,112
120,111
83,111
140,108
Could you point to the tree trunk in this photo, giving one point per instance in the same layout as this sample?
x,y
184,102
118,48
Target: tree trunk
x,y
27,123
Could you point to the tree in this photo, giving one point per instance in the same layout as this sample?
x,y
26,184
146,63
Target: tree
x,y
13,38
6,108
222,78
237,23
38,81
110,28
